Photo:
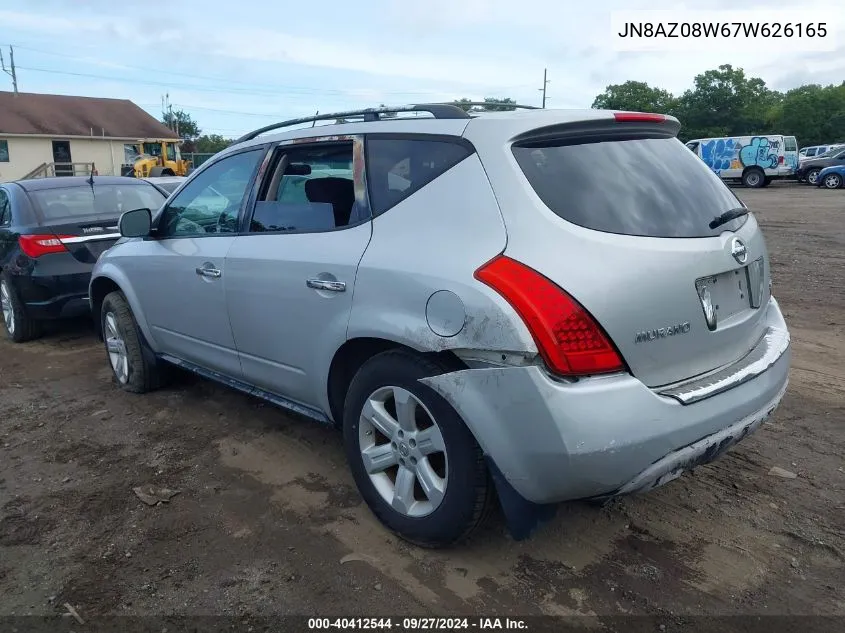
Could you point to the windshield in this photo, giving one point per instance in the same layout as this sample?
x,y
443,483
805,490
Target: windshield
x,y
99,200
652,187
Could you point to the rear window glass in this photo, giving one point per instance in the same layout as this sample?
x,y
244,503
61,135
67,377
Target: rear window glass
x,y
647,186
789,143
104,200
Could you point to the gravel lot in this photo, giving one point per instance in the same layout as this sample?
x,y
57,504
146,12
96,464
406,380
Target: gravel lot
x,y
267,520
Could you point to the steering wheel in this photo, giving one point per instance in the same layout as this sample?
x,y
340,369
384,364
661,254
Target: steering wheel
x,y
227,221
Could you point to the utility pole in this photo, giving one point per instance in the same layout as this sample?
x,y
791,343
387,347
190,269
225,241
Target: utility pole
x,y
545,83
10,71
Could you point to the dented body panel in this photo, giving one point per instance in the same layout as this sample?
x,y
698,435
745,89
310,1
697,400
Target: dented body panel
x,y
407,262
557,441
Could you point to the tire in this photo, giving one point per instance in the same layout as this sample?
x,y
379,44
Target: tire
x,y
753,178
132,370
467,491
832,181
767,181
812,176
158,171
17,324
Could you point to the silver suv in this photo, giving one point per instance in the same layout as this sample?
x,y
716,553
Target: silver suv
x,y
530,307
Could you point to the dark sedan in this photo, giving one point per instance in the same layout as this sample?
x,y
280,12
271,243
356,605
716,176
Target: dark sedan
x,y
52,230
808,171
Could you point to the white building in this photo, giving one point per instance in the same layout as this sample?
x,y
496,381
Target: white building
x,y
55,131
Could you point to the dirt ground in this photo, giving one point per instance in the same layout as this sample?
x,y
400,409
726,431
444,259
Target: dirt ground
x,y
267,520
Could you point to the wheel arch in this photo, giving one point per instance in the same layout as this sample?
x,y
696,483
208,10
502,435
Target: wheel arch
x,y
352,355
110,279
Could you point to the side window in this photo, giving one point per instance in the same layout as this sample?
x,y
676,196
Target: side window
x,y
310,188
397,167
210,202
5,209
811,151
171,151
4,151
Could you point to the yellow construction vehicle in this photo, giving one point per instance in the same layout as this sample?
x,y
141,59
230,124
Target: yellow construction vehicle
x,y
153,158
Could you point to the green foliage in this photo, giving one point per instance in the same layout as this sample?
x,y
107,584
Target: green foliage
x,y
637,96
726,102
211,143
181,122
491,104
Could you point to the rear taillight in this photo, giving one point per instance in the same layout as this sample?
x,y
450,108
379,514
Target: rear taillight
x,y
639,117
567,336
38,245
780,160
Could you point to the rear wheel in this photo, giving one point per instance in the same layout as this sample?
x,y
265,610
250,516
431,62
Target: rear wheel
x,y
753,178
832,181
414,461
813,176
131,369
19,326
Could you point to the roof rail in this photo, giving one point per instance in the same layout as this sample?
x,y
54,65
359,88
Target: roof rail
x,y
505,105
437,110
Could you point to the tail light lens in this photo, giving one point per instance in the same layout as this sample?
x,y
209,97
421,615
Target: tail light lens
x,y
568,338
780,160
38,245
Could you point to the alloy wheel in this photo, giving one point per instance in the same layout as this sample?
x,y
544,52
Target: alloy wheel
x,y
6,305
403,451
832,181
116,347
813,177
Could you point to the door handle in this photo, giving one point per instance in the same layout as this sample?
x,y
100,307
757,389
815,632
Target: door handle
x,y
323,284
209,272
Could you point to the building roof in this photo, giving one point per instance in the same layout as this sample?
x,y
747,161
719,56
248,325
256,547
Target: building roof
x,y
65,115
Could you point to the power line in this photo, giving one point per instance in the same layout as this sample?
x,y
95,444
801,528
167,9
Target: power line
x,y
11,71
254,88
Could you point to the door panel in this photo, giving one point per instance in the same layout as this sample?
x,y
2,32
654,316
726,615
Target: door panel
x,y
186,311
180,278
290,279
287,329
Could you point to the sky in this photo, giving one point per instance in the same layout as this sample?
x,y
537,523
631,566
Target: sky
x,y
235,68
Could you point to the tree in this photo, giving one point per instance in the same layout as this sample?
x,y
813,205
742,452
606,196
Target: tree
x,y
724,102
491,104
181,122
636,96
211,143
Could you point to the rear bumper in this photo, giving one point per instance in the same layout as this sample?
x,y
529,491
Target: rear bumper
x,y
602,436
54,296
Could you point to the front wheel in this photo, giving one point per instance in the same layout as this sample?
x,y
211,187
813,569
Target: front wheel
x,y
131,369
416,464
813,176
832,181
753,178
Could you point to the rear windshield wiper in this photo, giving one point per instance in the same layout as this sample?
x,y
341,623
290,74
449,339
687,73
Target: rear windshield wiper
x,y
727,216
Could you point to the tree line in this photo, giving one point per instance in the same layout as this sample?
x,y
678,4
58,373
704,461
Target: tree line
x,y
722,102
726,102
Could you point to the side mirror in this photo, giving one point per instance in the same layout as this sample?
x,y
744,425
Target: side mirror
x,y
135,223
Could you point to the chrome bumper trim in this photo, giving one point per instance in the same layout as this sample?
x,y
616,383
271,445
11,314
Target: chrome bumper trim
x,y
766,353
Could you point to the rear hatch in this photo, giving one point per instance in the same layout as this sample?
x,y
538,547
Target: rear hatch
x,y
624,220
84,218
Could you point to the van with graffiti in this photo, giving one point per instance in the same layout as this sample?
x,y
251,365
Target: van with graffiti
x,y
753,160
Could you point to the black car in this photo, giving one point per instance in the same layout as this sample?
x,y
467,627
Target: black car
x,y
52,230
808,171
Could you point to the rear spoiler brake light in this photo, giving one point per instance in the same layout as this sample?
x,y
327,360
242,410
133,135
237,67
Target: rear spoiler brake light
x,y
640,117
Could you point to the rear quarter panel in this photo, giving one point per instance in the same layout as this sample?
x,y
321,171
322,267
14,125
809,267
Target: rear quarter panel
x,y
434,241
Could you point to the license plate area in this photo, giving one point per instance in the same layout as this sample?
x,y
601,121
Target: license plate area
x,y
729,292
